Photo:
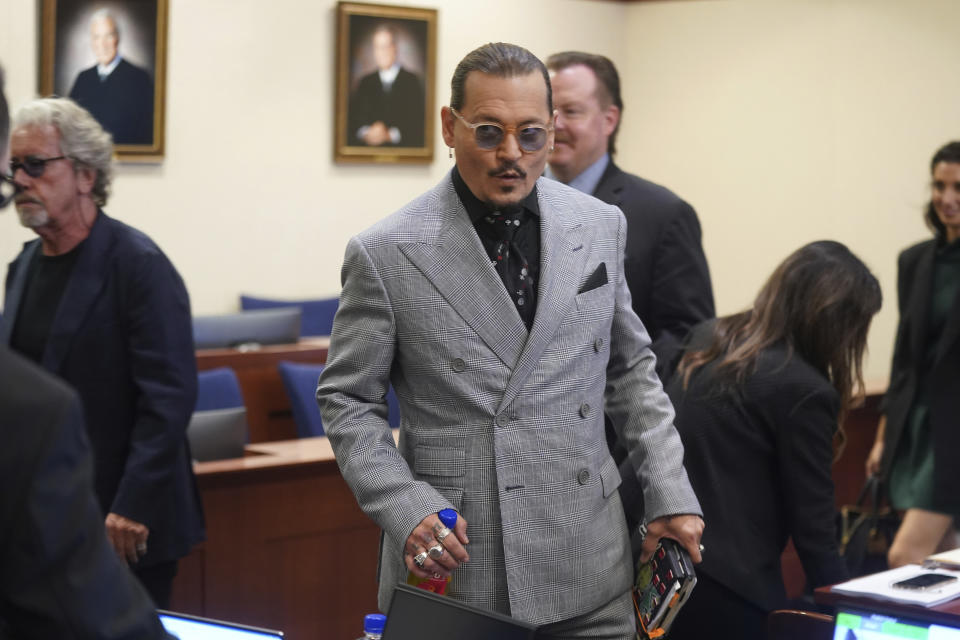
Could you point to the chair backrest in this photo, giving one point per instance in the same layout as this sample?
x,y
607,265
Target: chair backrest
x,y
266,326
218,389
217,434
791,624
317,313
300,381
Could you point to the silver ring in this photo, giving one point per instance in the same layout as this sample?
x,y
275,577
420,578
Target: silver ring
x,y
420,558
436,551
443,533
142,547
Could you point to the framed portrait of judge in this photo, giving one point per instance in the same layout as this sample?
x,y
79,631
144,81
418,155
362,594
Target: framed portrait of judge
x,y
386,58
109,56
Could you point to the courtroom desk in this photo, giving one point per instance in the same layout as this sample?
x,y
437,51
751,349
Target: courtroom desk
x,y
268,407
947,613
849,473
287,546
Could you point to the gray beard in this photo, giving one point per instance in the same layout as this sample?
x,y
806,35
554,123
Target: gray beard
x,y
33,219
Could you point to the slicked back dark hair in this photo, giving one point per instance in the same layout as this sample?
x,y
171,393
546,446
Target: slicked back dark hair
x,y
949,152
4,118
501,60
608,82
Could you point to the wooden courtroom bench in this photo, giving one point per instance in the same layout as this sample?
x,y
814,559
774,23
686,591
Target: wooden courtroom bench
x,y
287,545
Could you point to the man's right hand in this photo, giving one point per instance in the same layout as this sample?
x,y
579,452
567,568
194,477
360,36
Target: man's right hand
x,y
424,536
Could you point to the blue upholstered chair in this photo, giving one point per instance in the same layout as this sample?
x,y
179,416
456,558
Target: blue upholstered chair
x,y
317,314
265,326
300,381
218,389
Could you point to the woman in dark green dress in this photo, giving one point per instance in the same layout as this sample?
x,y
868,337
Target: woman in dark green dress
x,y
919,436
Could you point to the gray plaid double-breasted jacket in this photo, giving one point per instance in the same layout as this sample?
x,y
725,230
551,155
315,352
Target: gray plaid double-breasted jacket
x,y
504,425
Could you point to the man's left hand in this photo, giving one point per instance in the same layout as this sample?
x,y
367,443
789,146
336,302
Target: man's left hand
x,y
685,529
127,537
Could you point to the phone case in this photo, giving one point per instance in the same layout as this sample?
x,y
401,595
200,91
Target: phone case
x,y
662,587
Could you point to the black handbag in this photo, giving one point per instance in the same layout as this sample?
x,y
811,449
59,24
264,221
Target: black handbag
x,y
866,531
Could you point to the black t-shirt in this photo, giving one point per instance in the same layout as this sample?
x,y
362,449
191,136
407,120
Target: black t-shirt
x,y
45,283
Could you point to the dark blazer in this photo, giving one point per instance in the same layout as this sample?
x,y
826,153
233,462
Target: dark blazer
x,y
759,461
122,103
402,107
914,289
59,577
665,266
122,338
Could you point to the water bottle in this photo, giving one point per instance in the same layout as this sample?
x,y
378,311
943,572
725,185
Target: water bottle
x,y
437,585
373,624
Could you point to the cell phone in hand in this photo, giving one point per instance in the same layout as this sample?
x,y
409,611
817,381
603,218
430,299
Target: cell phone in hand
x,y
662,586
924,582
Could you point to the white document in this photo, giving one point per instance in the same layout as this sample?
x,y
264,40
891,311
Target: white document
x,y
880,586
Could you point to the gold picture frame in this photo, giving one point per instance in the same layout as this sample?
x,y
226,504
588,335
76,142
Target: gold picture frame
x,y
385,77
129,98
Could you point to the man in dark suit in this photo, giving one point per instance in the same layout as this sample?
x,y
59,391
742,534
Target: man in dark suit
x,y
665,266
59,578
118,94
387,109
99,304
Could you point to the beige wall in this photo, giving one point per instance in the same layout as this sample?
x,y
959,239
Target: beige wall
x,y
781,121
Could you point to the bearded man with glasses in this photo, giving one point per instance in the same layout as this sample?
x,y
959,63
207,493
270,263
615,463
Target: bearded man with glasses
x,y
496,305
97,303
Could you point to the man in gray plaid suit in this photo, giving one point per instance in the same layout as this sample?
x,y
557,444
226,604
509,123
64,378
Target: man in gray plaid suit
x,y
502,408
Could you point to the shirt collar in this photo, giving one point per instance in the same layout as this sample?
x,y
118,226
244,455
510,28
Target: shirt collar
x,y
108,69
589,178
387,76
477,210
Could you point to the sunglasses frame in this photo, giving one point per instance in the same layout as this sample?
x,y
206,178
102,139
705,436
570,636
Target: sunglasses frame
x,y
504,130
15,165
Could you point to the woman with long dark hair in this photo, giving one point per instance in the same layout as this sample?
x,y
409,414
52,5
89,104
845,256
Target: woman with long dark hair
x,y
919,437
759,398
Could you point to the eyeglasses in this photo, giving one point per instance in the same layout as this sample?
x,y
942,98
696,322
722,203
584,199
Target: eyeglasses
x,y
32,165
489,135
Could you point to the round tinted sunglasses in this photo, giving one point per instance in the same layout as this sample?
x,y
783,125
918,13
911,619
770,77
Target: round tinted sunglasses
x,y
32,165
490,135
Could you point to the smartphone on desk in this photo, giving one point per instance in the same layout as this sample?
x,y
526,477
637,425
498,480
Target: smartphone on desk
x,y
924,582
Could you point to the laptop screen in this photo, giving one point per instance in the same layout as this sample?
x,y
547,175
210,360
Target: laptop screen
x,y
188,627
863,625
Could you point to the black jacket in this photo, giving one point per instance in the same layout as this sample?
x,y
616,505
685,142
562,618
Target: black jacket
x,y
759,458
914,289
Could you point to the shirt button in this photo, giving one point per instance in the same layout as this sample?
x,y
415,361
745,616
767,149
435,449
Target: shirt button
x,y
584,410
598,345
458,365
503,420
583,476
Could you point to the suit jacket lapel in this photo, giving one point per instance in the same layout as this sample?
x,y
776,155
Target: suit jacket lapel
x,y
610,187
452,257
17,288
951,330
562,258
920,303
86,281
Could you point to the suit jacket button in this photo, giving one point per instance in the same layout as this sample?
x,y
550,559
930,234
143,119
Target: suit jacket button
x,y
458,365
583,476
584,410
503,420
598,345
